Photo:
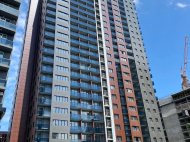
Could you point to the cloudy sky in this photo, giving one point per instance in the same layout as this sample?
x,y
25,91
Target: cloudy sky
x,y
164,24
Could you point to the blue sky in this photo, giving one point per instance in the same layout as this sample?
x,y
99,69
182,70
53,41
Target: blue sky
x,y
164,24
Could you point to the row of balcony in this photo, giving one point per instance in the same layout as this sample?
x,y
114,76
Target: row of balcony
x,y
85,96
84,60
86,130
83,30
84,68
6,42
82,5
83,37
84,85
83,23
75,140
9,9
7,24
82,17
85,117
86,106
83,51
4,61
83,76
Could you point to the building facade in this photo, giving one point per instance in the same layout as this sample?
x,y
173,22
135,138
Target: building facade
x,y
9,11
84,75
175,114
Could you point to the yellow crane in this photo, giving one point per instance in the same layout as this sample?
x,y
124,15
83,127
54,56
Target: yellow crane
x,y
185,81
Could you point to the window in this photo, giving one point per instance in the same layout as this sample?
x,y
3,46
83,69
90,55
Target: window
x,y
61,136
145,93
116,11
60,98
62,42
114,5
126,74
117,127
62,27
61,88
60,77
161,140
143,64
108,55
115,106
152,101
118,27
106,35
140,69
118,22
63,35
61,68
122,46
135,128
63,20
105,28
154,110
150,93
110,70
122,52
116,16
155,140
62,13
152,128
60,110
104,16
119,33
103,5
134,118
62,50
148,109
127,82
120,39
159,130
138,63
108,48
113,87
145,71
62,59
130,99
107,41
105,22
156,119
114,96
119,138
129,90
109,63
132,108
143,84
150,119
147,102
147,78
116,116
103,11
125,66
111,78
123,59
60,122
66,2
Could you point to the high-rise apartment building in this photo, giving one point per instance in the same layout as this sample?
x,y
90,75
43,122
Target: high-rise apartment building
x,y
84,75
9,11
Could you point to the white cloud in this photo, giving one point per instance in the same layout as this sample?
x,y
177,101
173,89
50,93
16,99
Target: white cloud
x,y
137,2
181,5
21,19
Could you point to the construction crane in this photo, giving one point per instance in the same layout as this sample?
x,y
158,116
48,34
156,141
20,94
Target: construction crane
x,y
185,81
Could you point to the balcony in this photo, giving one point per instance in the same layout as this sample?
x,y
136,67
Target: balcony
x,y
73,14
51,6
145,133
122,92
85,68
84,85
136,87
9,9
141,113
77,3
41,139
48,51
83,44
47,69
86,129
128,132
123,101
7,25
5,42
80,10
124,111
48,60
49,42
85,106
50,20
83,37
86,117
143,122
44,101
84,60
85,96
84,52
45,90
44,113
3,84
82,30
42,126
4,62
82,23
51,27
120,83
49,34
138,95
46,79
49,12
140,104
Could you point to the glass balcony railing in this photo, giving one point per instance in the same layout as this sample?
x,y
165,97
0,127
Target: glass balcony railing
x,y
46,79
124,111
84,37
51,12
9,9
84,51
84,85
140,104
83,17
126,121
123,101
6,42
82,23
86,96
128,44
44,101
84,60
47,69
50,60
128,132
83,30
49,42
86,129
86,117
141,113
143,123
41,139
48,50
50,19
136,87
85,12
85,68
49,34
3,83
127,38
120,83
50,26
42,126
138,95
115,46
145,133
125,32
51,5
45,90
122,92
7,25
77,3
85,76
53,1
117,60
85,106
44,113
4,61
